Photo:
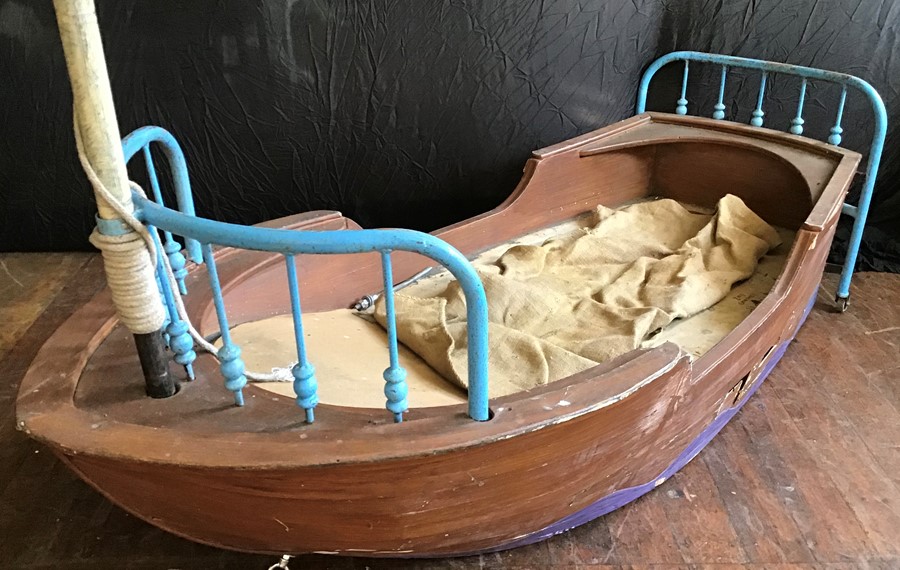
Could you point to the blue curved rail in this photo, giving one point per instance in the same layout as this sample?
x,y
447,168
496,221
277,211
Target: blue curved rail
x,y
204,233
140,140
859,212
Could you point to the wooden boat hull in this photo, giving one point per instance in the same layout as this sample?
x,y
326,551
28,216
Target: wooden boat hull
x,y
622,497
439,484
302,509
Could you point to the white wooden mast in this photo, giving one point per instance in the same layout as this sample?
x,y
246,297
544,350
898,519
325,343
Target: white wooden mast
x,y
134,289
92,94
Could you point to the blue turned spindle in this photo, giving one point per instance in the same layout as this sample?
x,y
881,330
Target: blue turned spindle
x,y
681,108
797,122
177,261
176,330
182,345
305,385
230,362
395,388
835,136
719,108
757,120
171,247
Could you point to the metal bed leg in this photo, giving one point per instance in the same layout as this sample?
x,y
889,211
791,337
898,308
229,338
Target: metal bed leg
x,y
859,214
842,295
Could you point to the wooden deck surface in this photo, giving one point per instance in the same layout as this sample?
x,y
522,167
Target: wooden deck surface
x,y
806,476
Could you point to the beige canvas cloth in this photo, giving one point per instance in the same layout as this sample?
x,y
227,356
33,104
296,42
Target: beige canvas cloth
x,y
569,304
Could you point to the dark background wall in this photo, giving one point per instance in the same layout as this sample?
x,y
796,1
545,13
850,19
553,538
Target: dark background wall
x,y
412,114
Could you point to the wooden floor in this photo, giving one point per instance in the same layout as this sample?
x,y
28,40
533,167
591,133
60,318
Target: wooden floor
x,y
806,476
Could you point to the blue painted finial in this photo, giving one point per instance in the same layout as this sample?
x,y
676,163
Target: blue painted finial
x,y
182,345
835,136
719,108
395,388
757,120
396,391
229,355
797,122
681,108
757,114
177,261
232,368
305,384
719,112
306,389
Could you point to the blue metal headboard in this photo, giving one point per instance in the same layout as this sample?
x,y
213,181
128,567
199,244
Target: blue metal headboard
x,y
859,212
200,234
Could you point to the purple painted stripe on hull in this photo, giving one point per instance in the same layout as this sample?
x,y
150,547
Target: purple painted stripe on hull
x,y
624,496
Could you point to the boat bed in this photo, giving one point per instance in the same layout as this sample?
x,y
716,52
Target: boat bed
x,y
435,476
440,483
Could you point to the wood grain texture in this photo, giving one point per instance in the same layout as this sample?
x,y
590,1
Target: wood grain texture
x,y
50,519
27,284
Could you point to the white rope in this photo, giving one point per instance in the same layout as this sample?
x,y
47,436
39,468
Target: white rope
x,y
130,273
281,564
129,270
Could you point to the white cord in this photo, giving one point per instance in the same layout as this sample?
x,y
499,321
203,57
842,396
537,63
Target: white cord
x,y
132,273
129,273
281,564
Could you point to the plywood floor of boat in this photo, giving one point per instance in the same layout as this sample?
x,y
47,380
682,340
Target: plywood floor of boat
x,y
349,350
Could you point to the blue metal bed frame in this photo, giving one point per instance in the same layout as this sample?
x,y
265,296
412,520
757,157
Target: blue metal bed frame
x,y
859,212
201,234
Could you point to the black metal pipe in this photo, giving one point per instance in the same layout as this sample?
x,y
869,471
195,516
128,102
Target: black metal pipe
x,y
151,350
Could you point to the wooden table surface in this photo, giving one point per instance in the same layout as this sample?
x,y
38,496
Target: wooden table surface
x,y
806,476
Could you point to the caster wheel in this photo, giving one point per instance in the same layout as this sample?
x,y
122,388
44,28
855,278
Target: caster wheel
x,y
842,303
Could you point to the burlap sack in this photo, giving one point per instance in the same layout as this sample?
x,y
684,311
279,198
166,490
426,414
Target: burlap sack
x,y
569,304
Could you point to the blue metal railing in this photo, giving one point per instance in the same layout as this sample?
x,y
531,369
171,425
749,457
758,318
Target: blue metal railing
x,y
200,234
859,212
140,140
176,331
